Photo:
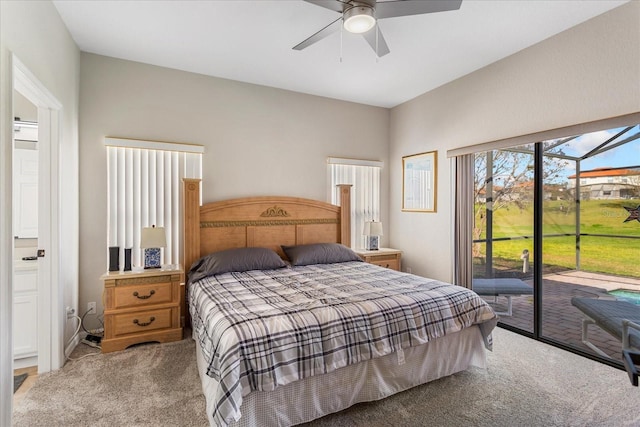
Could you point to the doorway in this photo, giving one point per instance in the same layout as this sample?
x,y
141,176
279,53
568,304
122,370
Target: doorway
x,y
49,324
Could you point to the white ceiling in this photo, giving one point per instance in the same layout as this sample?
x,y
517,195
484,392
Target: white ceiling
x,y
251,41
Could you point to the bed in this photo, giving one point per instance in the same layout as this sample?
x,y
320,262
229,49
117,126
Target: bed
x,y
283,343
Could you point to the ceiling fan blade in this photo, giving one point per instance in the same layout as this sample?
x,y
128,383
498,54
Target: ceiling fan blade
x,y
390,9
329,29
335,5
370,37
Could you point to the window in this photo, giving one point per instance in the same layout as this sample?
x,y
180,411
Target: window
x,y
364,176
144,182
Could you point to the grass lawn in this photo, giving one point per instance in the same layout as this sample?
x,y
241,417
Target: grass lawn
x,y
620,256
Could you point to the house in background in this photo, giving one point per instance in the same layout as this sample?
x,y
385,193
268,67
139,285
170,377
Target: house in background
x,y
261,140
607,183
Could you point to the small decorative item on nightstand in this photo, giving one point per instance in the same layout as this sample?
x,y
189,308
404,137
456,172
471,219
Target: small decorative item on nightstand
x,y
152,239
114,258
127,259
373,231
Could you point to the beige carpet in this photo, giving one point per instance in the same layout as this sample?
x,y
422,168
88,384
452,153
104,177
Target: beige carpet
x,y
526,384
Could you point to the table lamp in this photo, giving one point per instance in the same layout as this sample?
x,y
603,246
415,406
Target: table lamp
x,y
152,239
373,231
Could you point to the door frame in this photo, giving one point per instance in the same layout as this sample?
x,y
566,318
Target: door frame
x,y
50,323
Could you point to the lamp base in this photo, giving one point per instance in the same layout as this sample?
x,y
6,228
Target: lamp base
x,y
152,258
372,243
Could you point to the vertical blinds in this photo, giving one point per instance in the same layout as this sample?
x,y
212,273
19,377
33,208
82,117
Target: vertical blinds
x,y
364,176
144,182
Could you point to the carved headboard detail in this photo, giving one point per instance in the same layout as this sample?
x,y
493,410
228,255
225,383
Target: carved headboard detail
x,y
268,221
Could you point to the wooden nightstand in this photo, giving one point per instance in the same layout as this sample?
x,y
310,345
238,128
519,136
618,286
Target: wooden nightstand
x,y
385,257
141,306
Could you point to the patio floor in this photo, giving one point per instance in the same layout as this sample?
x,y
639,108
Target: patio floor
x,y
560,320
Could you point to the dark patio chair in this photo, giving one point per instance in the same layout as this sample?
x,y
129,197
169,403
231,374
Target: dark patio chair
x,y
621,319
502,287
631,363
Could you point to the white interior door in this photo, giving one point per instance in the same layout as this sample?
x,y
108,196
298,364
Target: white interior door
x,y
25,196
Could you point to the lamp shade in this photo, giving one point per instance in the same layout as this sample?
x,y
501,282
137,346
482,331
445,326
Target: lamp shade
x,y
153,237
372,228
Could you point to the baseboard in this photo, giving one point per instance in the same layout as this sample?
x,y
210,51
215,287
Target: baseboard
x,y
25,362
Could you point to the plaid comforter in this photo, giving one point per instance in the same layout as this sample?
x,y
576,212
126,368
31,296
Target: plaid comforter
x,y
262,329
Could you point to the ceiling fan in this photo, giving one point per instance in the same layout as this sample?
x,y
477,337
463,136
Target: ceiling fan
x,y
360,17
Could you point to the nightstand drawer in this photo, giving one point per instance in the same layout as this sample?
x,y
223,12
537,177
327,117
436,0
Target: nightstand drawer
x,y
384,257
139,295
390,262
141,321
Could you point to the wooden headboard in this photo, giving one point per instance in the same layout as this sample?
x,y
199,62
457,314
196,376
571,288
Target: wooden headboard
x,y
266,222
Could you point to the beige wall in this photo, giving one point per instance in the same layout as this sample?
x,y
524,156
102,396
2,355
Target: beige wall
x,y
586,73
258,140
34,32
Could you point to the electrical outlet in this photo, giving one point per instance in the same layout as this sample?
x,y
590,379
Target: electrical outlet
x,y
409,270
70,313
91,307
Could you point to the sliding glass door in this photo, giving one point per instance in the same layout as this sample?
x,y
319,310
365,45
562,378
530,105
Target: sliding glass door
x,y
591,243
503,233
556,223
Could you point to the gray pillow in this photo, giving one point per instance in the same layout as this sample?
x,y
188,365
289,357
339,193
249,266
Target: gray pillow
x,y
241,259
319,253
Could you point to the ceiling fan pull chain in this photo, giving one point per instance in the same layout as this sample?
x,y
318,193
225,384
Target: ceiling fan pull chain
x,y
377,33
341,43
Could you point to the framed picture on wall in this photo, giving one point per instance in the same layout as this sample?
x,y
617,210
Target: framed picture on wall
x,y
419,182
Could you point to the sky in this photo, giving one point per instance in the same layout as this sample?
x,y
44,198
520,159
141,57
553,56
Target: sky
x,y
624,156
627,155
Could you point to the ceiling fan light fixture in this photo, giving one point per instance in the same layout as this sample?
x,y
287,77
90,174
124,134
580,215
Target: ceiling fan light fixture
x,y
359,19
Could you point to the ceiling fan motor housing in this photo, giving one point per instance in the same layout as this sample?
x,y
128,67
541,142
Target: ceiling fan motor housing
x,y
370,3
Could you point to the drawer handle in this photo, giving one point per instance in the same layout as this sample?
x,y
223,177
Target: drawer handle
x,y
135,294
137,322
